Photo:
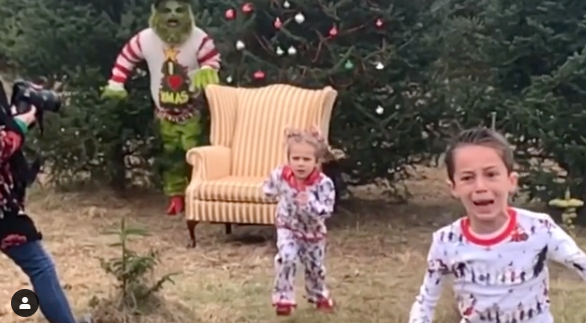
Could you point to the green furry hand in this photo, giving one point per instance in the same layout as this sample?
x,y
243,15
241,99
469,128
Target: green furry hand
x,y
110,92
205,77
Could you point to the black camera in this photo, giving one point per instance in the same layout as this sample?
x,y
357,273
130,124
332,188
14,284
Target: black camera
x,y
25,94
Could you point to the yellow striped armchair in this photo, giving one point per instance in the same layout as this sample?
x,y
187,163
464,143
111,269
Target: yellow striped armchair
x,y
247,142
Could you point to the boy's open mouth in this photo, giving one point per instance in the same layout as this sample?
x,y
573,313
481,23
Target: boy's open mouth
x,y
483,202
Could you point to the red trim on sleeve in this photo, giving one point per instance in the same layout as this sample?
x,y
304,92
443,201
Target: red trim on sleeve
x,y
137,41
121,68
118,79
131,52
208,56
203,43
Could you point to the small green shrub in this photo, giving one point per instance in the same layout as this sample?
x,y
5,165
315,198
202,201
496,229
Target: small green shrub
x,y
136,288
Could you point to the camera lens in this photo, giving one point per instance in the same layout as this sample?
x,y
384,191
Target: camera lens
x,y
51,100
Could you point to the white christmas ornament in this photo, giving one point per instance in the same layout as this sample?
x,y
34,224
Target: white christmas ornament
x,y
229,79
379,110
379,66
291,51
240,45
280,51
286,4
299,18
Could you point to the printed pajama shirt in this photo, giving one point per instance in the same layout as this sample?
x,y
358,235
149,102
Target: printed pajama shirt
x,y
501,279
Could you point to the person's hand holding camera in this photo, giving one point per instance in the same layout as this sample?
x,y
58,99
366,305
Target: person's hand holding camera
x,y
28,117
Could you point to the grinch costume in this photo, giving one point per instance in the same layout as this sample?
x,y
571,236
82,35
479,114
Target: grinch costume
x,y
182,59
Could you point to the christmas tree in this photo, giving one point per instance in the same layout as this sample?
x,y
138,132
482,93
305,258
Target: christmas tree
x,y
302,43
376,54
526,62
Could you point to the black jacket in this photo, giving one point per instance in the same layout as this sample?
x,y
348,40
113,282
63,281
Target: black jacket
x,y
15,226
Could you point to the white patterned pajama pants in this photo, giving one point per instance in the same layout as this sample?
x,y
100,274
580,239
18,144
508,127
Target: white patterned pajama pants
x,y
311,254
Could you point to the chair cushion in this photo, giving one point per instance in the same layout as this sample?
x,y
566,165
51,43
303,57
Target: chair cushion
x,y
232,189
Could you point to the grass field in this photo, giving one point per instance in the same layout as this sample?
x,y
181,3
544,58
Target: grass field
x,y
376,261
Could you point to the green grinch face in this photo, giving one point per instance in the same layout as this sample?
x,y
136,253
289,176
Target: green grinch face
x,y
172,21
174,14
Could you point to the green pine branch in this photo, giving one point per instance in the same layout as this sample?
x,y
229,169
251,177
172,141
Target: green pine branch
x,y
132,270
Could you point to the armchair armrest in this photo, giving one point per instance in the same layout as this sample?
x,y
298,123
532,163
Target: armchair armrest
x,y
209,162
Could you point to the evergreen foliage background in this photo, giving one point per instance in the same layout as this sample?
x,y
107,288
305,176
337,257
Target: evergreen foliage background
x,y
445,62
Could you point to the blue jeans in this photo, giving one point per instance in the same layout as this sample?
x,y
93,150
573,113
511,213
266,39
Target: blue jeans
x,y
37,264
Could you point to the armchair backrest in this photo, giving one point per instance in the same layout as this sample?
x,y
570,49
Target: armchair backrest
x,y
223,103
254,123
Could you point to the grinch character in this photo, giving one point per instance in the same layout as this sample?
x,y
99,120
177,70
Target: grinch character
x,y
182,59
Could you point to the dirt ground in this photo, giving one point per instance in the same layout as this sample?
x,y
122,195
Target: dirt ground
x,y
376,260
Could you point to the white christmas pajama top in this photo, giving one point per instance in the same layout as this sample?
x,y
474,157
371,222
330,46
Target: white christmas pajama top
x,y
307,222
502,279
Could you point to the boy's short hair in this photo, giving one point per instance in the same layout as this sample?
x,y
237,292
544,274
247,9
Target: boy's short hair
x,y
480,136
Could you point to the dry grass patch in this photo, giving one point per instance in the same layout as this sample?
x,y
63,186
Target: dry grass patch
x,y
376,262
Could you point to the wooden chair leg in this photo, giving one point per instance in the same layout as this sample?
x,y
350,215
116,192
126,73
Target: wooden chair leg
x,y
228,228
191,224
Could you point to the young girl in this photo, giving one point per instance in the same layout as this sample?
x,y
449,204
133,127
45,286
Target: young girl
x,y
306,199
496,255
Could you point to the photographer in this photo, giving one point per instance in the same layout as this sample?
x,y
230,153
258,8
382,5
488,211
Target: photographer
x,y
19,238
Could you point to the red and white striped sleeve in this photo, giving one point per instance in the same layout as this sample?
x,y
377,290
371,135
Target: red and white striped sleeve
x,y
207,55
130,55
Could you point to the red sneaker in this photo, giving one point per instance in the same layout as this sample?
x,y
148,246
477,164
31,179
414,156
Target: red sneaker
x,y
284,309
325,305
176,205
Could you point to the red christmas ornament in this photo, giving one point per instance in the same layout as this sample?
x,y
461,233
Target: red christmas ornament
x,y
379,23
334,31
230,14
259,75
278,24
247,7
